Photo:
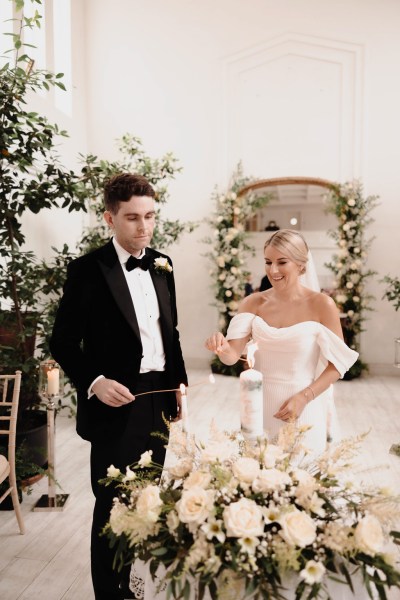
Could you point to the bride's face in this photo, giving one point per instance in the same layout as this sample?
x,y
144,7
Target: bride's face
x,y
281,270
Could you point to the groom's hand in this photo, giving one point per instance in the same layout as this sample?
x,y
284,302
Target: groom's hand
x,y
112,393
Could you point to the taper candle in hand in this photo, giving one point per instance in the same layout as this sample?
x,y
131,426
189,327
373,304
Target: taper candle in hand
x,y
184,409
251,399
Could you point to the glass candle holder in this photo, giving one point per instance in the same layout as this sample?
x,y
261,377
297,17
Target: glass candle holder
x,y
51,378
397,353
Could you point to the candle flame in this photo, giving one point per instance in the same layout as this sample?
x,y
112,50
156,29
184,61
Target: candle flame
x,y
211,378
251,350
182,389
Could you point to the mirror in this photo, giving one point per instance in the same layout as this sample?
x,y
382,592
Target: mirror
x,y
295,203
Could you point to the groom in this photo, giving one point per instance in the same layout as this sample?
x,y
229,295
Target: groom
x,y
115,335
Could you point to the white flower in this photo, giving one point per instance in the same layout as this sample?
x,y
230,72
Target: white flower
x,y
298,529
350,313
145,459
220,219
113,471
270,480
234,270
228,293
313,572
233,305
181,468
271,513
162,264
118,517
236,211
304,478
234,251
213,529
149,503
195,505
222,277
356,250
172,521
341,298
246,469
197,479
233,195
356,299
243,518
368,535
220,261
130,475
351,202
217,451
342,243
349,285
248,544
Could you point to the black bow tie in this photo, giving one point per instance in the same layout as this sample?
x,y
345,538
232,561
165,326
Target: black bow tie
x,y
133,262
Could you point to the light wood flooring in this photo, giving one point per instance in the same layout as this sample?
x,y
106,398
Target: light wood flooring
x,y
51,561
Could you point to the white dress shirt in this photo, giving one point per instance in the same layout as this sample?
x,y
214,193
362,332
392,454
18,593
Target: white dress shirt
x,y
147,311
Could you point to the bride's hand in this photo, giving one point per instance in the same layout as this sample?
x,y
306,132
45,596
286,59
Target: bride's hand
x,y
292,408
217,343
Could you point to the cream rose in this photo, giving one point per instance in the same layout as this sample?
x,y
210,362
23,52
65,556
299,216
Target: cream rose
x,y
246,469
197,479
270,480
271,454
149,503
195,505
298,529
217,451
243,519
368,535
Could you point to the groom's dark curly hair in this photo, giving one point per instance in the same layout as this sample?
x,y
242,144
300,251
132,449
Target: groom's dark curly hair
x,y
122,187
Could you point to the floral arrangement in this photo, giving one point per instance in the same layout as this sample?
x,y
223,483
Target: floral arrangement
x,y
230,248
353,210
392,291
161,265
230,515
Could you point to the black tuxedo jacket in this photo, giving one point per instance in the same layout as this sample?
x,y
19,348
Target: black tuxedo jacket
x,y
96,333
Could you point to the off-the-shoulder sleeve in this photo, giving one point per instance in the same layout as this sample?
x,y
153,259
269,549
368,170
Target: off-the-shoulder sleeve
x,y
240,326
334,350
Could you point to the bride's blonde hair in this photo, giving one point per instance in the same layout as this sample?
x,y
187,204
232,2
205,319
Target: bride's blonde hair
x,y
292,244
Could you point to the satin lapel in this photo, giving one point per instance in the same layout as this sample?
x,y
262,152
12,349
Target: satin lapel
x,y
164,302
116,281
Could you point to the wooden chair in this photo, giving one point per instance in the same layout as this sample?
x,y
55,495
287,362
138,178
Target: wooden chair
x,y
10,388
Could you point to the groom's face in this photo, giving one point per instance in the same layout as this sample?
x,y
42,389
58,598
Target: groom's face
x,y
133,224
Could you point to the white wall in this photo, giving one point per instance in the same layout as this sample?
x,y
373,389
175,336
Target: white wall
x,y
296,87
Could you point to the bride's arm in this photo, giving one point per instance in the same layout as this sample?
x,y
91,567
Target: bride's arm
x,y
228,352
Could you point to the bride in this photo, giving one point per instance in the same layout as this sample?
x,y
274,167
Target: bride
x,y
301,351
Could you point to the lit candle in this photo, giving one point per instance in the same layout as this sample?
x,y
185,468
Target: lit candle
x,y
184,408
251,399
53,381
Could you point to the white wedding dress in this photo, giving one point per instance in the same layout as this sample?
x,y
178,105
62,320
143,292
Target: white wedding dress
x,y
290,358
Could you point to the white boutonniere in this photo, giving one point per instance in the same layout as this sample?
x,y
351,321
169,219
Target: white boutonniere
x,y
161,265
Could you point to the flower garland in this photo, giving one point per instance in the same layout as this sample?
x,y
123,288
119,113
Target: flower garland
x,y
348,264
229,250
255,517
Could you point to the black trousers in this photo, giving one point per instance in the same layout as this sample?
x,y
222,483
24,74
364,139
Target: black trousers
x,y
145,417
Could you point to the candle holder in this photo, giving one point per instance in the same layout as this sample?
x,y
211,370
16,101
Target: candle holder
x,y
397,353
51,390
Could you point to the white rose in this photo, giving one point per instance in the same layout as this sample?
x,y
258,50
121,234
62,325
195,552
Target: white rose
x,y
162,263
351,202
304,478
356,299
197,479
228,293
270,480
368,535
195,505
234,270
298,529
181,468
341,298
349,285
246,469
217,451
149,503
145,459
222,277
243,519
113,471
220,261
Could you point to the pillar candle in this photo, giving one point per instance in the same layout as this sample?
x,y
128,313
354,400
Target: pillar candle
x,y
184,409
251,404
53,381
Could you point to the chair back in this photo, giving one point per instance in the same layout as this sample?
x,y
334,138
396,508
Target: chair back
x,y
10,386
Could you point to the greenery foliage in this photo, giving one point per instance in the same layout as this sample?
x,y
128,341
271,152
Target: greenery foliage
x,y
348,264
229,250
392,292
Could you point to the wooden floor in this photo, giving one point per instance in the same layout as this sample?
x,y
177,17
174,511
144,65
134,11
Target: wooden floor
x,y
51,561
